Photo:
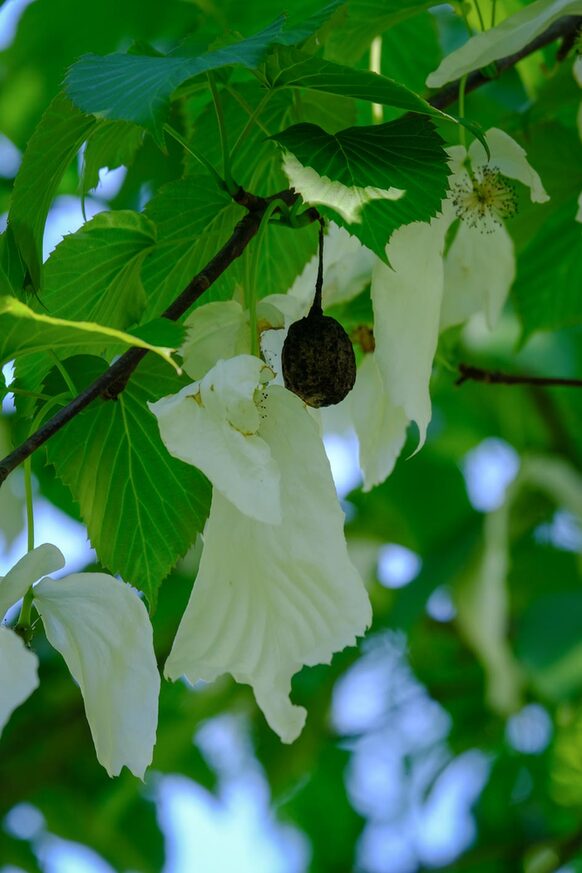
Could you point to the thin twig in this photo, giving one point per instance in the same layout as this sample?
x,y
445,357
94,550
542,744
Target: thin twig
x,y
468,373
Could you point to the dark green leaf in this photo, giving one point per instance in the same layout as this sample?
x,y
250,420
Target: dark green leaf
x,y
367,19
290,68
549,276
406,154
194,218
138,88
54,144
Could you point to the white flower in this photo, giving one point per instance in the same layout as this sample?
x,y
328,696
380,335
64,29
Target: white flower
x,y
272,593
102,629
480,264
507,38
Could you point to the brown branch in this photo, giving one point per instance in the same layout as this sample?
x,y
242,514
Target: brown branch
x,y
565,28
468,373
114,380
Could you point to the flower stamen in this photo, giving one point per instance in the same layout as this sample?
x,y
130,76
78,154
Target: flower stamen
x,y
484,199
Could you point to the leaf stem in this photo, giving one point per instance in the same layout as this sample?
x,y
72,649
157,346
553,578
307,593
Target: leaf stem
x,y
230,186
253,274
249,109
376,67
493,12
465,19
317,307
63,371
253,119
199,157
462,129
480,15
24,619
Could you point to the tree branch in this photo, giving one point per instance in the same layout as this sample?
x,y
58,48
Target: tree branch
x,y
565,28
493,377
114,380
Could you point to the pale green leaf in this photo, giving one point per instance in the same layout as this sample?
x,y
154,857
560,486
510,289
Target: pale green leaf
x,y
23,332
407,299
142,507
213,425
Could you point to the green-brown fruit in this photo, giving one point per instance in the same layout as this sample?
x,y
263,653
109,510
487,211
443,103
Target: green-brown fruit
x,y
318,360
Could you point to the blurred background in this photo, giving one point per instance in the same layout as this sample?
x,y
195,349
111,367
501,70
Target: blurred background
x,y
451,738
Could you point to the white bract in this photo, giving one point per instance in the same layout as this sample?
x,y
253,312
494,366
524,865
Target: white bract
x,y
213,425
102,629
281,592
425,290
18,665
507,38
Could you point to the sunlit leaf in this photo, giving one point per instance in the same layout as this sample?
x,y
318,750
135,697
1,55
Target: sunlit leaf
x,y
23,332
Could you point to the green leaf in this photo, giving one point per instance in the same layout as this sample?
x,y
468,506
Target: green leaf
x,y
549,276
23,332
111,144
138,88
95,273
367,162
290,68
367,19
142,507
55,142
194,218
12,269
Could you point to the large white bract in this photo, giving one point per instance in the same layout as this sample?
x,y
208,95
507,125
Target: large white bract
x,y
102,629
273,593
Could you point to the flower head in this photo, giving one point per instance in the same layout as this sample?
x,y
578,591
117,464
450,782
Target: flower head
x,y
484,198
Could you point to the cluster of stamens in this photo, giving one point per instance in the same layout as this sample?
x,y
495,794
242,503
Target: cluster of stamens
x,y
484,198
